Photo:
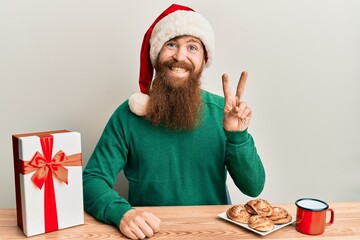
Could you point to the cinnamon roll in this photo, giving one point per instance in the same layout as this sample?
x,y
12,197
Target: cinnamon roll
x,y
259,207
238,213
260,223
280,216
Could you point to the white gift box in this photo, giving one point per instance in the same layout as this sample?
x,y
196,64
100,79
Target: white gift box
x,y
48,181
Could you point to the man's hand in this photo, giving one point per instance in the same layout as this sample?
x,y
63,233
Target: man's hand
x,y
139,224
237,114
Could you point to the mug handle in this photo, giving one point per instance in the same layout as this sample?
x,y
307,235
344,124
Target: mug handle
x,y
332,214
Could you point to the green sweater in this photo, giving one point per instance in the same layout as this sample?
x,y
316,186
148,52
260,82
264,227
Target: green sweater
x,y
166,167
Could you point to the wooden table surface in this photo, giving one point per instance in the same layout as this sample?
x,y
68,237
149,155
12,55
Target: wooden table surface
x,y
195,222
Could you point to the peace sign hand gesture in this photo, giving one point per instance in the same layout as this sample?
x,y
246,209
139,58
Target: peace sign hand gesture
x,y
237,114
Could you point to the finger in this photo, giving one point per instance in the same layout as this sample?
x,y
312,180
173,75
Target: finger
x,y
235,112
132,235
246,113
242,108
154,223
149,223
241,85
226,87
141,224
128,232
146,229
238,101
138,232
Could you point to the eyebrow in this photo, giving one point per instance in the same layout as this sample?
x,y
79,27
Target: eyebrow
x,y
191,39
194,40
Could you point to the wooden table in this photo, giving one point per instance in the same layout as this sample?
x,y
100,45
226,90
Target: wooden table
x,y
195,222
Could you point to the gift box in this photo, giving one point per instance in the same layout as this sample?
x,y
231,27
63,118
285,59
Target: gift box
x,y
48,181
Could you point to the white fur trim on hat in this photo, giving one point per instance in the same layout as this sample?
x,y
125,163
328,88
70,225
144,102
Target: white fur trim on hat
x,y
182,23
138,103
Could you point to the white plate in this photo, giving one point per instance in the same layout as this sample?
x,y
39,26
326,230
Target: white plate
x,y
276,227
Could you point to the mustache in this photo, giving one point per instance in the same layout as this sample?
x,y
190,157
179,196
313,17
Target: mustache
x,y
176,64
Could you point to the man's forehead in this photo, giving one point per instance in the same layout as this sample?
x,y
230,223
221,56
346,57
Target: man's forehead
x,y
187,38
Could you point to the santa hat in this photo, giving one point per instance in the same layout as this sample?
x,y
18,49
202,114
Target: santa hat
x,y
175,21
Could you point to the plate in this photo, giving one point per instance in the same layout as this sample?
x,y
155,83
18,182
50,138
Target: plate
x,y
276,227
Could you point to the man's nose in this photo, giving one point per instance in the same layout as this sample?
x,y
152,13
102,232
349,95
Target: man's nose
x,y
180,54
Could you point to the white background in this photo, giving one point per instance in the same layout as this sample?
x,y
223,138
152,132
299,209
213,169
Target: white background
x,y
68,64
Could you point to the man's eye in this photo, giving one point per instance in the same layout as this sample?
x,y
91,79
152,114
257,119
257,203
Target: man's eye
x,y
192,48
171,45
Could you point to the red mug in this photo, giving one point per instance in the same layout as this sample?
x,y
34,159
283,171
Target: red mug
x,y
311,216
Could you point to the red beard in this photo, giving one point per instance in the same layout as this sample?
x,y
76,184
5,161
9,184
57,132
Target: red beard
x,y
175,103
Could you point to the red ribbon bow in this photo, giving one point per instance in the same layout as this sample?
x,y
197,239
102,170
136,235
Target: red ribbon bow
x,y
45,165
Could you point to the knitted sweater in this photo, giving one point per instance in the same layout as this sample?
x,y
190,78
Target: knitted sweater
x,y
167,167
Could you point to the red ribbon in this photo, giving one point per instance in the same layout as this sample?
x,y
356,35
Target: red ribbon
x,y
45,166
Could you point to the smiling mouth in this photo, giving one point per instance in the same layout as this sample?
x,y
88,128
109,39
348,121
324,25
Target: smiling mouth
x,y
178,69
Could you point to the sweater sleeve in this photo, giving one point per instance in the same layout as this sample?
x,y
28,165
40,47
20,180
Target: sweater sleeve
x,y
243,163
99,176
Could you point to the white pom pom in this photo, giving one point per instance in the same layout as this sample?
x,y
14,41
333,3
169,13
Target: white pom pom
x,y
138,103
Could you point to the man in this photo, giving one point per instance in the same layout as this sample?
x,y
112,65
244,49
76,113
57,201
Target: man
x,y
174,141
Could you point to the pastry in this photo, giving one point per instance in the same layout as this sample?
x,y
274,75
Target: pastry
x,y
238,213
280,216
260,223
259,207
259,214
